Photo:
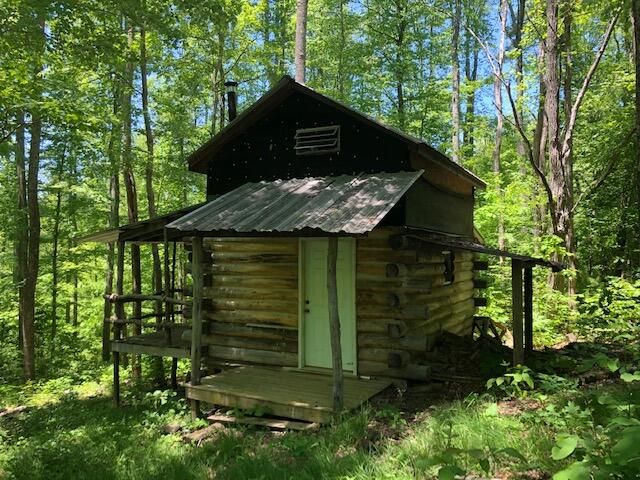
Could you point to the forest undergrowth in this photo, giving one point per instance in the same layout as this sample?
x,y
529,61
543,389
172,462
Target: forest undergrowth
x,y
572,413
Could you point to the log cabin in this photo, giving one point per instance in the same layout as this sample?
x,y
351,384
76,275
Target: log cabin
x,y
331,254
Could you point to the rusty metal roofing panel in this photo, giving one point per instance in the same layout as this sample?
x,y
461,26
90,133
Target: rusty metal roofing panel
x,y
455,241
344,204
150,230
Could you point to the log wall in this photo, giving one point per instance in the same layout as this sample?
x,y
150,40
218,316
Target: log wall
x,y
251,301
250,305
404,302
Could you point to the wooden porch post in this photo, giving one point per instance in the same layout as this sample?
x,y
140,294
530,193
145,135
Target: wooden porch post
x,y
334,324
117,328
168,306
167,289
528,308
174,361
196,317
516,324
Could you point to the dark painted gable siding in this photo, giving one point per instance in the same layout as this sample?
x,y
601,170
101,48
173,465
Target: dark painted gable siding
x,y
265,151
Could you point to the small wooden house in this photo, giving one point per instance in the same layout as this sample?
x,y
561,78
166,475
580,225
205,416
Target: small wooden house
x,y
291,172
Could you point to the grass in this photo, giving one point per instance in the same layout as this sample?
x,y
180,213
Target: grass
x,y
72,429
85,436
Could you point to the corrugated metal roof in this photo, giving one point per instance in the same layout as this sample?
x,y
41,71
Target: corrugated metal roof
x,y
344,204
456,241
150,230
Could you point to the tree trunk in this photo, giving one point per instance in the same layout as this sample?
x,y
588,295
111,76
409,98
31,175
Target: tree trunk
x,y
334,324
497,94
221,77
130,187
635,15
22,224
114,219
33,249
301,40
341,51
558,210
560,159
471,75
567,155
455,82
399,60
151,204
54,253
28,300
73,215
539,145
517,27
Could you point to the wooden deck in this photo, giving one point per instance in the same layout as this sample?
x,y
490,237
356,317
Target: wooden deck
x,y
283,393
155,344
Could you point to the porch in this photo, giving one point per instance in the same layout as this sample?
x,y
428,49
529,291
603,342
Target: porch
x,y
282,392
158,344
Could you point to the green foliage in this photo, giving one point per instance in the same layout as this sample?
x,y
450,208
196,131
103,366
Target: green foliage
x,y
611,309
391,415
565,446
517,382
364,54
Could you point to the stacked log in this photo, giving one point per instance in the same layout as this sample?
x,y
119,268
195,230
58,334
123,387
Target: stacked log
x,y
403,303
404,292
251,301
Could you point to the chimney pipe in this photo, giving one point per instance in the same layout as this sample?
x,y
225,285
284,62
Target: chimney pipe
x,y
232,99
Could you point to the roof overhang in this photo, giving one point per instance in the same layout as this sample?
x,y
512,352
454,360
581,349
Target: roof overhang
x,y
343,205
462,243
145,231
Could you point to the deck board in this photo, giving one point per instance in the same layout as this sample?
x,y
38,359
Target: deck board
x,y
287,393
155,344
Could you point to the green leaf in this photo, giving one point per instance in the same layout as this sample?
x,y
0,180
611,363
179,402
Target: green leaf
x,y
625,421
425,463
630,377
528,380
491,410
484,464
449,472
575,471
512,452
607,399
627,447
476,453
565,445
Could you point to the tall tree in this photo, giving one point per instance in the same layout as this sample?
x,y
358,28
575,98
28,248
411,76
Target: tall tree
x,y
22,221
129,178
301,40
635,16
517,26
114,212
560,137
497,98
56,244
455,80
32,264
149,167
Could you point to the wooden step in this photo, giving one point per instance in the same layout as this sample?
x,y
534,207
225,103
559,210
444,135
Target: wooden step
x,y
272,423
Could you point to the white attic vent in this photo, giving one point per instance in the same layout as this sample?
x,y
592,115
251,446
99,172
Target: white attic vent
x,y
318,140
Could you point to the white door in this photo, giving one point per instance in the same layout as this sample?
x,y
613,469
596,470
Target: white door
x,y
315,349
